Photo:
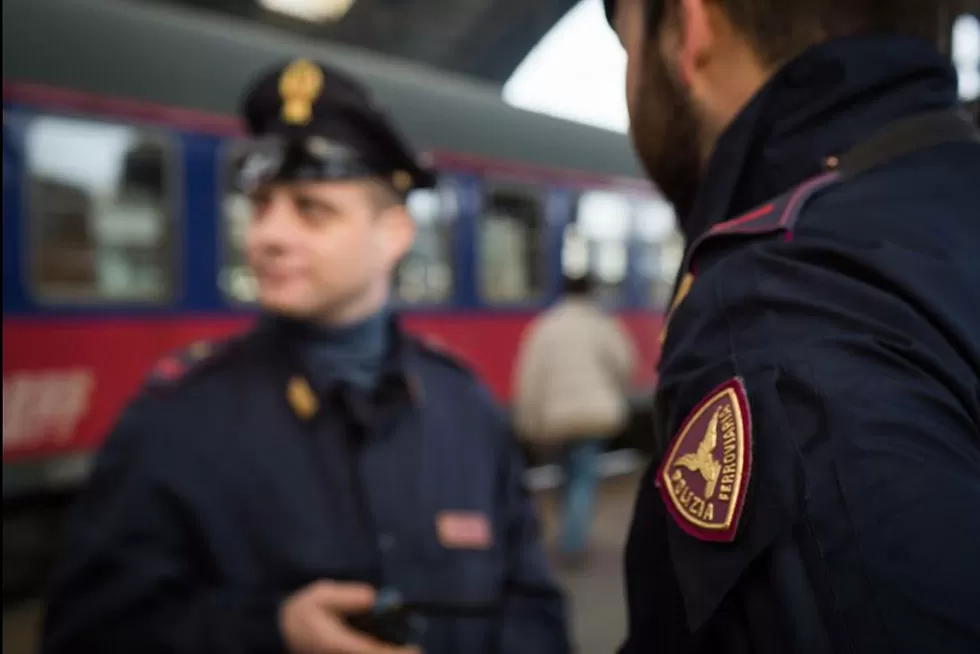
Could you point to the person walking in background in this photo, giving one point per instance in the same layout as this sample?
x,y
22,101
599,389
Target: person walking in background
x,y
572,377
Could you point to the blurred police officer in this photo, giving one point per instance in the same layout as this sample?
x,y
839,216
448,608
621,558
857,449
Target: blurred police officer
x,y
818,401
258,497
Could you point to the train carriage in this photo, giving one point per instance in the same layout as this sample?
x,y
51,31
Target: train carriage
x,y
122,232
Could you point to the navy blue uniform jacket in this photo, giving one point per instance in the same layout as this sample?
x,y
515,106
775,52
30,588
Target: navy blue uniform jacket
x,y
236,483
817,487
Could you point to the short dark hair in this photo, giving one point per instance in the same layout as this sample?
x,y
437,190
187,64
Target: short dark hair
x,y
781,29
577,284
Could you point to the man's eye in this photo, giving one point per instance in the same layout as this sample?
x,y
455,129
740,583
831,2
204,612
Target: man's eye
x,y
306,206
312,210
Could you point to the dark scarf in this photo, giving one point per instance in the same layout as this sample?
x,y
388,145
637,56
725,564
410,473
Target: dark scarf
x,y
351,355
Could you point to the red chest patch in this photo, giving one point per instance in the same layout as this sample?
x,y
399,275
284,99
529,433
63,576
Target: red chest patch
x,y
705,475
464,530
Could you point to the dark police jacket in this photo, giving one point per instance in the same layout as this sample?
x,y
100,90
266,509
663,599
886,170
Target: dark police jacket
x,y
231,483
817,487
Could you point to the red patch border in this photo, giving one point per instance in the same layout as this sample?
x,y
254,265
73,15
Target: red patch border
x,y
726,535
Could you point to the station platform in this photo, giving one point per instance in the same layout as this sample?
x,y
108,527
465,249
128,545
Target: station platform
x,y
595,591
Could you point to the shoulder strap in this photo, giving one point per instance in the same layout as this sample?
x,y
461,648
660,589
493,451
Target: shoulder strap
x,y
173,369
919,132
902,137
777,215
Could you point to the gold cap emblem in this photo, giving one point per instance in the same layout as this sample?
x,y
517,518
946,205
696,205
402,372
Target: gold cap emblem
x,y
300,85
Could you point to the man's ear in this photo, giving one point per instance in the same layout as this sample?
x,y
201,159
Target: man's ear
x,y
696,38
398,233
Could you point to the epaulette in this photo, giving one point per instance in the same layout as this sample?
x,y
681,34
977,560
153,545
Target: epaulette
x,y
176,367
776,216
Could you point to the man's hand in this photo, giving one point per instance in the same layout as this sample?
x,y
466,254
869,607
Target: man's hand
x,y
312,621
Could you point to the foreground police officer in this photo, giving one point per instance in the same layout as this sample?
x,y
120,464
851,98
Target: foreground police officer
x,y
282,491
818,407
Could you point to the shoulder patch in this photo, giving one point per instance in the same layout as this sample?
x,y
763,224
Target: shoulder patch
x,y
704,478
176,366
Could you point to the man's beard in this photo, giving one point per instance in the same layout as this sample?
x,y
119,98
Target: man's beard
x,y
667,135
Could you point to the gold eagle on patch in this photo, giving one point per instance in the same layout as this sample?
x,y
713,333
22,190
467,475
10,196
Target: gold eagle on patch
x,y
705,475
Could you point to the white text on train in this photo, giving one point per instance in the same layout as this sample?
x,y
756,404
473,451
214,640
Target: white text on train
x,y
44,407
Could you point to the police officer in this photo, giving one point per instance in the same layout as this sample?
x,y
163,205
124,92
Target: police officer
x,y
325,483
817,483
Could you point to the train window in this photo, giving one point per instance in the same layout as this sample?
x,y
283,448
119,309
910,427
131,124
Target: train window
x,y
509,244
426,272
663,248
235,277
596,241
101,224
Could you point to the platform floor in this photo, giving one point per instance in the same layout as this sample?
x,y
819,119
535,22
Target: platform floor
x,y
595,592
598,609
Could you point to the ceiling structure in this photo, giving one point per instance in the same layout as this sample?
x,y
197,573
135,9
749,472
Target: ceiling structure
x,y
486,39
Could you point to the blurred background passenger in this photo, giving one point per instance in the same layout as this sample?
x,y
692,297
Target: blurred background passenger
x,y
571,390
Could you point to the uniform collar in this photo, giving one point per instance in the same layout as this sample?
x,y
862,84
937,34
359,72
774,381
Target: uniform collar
x,y
399,368
404,364
820,104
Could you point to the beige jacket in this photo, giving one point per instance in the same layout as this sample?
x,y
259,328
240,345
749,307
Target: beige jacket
x,y
573,373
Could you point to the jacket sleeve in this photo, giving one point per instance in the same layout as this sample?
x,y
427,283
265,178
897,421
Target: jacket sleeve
x,y
534,620
655,613
128,581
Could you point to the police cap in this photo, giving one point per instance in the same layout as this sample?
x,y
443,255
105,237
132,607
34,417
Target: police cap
x,y
309,122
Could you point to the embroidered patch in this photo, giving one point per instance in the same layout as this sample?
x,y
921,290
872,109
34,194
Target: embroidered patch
x,y
464,530
705,475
